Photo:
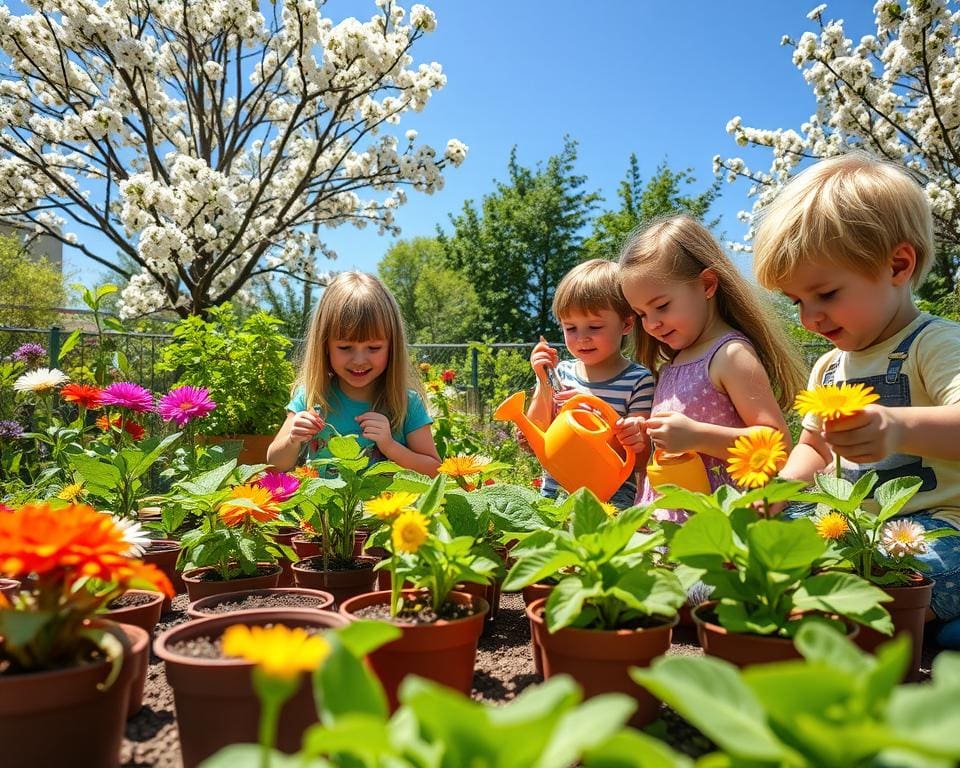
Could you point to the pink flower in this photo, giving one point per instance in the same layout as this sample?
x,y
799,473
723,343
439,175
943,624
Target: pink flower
x,y
185,404
281,485
126,394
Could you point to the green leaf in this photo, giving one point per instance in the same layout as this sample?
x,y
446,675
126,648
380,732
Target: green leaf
x,y
249,756
345,447
862,487
633,749
587,515
784,546
19,628
847,595
537,565
674,497
566,602
704,541
71,341
357,734
209,481
820,643
711,695
894,494
656,593
343,685
363,637
927,716
590,725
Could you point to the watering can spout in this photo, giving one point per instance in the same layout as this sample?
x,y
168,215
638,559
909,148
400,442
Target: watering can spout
x,y
511,409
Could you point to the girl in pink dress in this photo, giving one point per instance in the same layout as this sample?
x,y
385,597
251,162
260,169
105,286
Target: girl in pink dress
x,y
712,346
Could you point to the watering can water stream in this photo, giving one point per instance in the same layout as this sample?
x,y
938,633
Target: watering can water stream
x,y
575,449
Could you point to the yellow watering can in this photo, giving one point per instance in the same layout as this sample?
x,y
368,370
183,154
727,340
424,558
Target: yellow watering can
x,y
575,448
683,469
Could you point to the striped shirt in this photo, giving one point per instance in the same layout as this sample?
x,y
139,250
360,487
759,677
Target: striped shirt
x,y
630,393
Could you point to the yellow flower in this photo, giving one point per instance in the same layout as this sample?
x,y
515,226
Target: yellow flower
x,y
71,492
409,531
279,651
609,509
756,457
389,504
832,402
832,525
262,506
463,466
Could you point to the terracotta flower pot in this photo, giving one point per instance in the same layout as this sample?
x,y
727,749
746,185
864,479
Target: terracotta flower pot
x,y
341,584
310,546
600,660
60,717
139,640
444,651
145,615
214,698
163,553
253,448
198,587
745,649
908,611
9,588
202,608
530,593
285,536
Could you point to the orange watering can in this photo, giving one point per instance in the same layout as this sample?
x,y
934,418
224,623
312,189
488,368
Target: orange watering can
x,y
683,469
575,448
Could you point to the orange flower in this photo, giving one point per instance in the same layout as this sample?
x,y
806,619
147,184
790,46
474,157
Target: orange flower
x,y
832,526
756,457
463,466
75,540
260,506
127,425
84,395
305,471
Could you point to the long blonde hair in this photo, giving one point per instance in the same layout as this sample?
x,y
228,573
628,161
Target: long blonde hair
x,y
679,248
357,307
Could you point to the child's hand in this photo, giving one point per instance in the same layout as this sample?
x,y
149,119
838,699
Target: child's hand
x,y
870,435
562,395
630,432
376,427
305,425
542,357
672,431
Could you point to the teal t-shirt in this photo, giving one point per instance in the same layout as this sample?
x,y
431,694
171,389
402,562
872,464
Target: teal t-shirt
x,y
342,417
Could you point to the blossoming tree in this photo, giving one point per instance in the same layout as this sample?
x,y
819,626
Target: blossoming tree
x,y
895,94
209,139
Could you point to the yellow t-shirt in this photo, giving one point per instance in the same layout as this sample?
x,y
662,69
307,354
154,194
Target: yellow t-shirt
x,y
933,369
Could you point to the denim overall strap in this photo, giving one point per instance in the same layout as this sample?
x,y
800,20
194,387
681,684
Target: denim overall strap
x,y
896,358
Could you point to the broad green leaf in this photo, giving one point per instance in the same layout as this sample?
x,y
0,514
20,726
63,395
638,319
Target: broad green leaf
x,y
674,497
345,447
587,515
357,734
209,481
818,642
891,660
894,494
343,685
71,341
704,541
634,749
652,593
862,487
780,545
250,756
788,689
537,565
711,695
847,595
928,717
590,725
363,637
566,602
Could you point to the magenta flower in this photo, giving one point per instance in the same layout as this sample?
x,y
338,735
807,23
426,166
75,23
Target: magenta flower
x,y
126,394
184,404
281,485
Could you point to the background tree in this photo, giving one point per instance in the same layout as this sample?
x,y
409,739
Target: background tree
x,y
30,290
447,306
640,203
893,94
401,269
204,140
526,235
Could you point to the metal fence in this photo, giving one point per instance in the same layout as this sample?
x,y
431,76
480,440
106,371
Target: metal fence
x,y
483,373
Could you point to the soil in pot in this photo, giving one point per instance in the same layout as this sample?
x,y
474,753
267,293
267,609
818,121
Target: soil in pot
x,y
207,581
140,607
600,659
164,553
214,697
344,579
258,599
443,651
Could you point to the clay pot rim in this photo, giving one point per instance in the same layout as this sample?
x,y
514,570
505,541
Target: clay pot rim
x,y
254,617
853,629
189,574
159,597
226,597
537,608
364,559
384,598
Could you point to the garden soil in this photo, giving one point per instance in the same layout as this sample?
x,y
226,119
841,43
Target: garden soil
x,y
504,669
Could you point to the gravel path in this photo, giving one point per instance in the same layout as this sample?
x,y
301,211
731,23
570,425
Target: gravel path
x,y
504,669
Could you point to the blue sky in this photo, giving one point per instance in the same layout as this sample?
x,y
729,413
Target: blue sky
x,y
657,79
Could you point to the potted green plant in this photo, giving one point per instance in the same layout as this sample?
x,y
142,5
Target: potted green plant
x,y
61,671
243,366
231,548
440,625
331,504
836,708
613,605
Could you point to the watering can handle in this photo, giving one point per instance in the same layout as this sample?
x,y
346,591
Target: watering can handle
x,y
606,413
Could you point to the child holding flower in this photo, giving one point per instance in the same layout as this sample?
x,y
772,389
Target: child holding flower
x,y
846,241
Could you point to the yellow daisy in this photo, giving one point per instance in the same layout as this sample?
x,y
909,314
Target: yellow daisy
x,y
72,492
279,651
389,504
463,466
409,531
832,402
832,526
756,457
611,510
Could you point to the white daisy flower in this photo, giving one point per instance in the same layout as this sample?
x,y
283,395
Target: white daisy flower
x,y
134,535
902,537
41,380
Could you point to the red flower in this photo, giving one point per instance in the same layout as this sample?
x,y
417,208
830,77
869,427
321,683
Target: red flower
x,y
448,376
84,395
127,425
537,482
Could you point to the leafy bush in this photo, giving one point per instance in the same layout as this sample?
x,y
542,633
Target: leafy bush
x,y
243,366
